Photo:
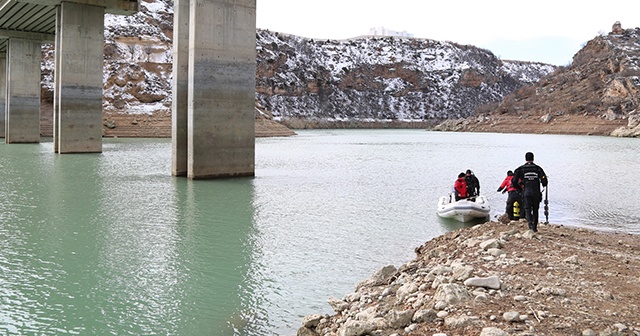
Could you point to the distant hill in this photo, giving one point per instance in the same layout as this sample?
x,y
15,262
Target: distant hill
x,y
365,80
598,93
300,82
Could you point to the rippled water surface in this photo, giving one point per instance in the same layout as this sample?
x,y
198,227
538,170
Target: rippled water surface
x,y
111,243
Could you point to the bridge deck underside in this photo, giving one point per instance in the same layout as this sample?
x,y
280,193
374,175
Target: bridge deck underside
x,y
36,19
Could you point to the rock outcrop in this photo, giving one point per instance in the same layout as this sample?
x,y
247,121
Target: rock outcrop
x,y
382,79
599,93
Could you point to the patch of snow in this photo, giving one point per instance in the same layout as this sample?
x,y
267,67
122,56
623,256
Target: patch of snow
x,y
149,108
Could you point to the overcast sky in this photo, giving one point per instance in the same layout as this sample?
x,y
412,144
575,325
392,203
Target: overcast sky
x,y
549,31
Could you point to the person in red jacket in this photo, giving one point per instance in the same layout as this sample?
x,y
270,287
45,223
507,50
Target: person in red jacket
x,y
514,195
460,187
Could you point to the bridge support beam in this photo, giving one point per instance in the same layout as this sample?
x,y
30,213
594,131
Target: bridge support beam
x,y
78,78
220,89
23,91
3,93
180,88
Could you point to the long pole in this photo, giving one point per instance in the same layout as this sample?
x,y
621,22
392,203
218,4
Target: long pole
x,y
546,204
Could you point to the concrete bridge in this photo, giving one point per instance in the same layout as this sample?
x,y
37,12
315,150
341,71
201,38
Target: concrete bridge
x,y
213,79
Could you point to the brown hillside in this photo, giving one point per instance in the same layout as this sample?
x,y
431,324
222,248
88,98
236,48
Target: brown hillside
x,y
157,125
598,93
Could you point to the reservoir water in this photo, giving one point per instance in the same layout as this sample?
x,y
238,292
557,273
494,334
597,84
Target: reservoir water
x,y
111,243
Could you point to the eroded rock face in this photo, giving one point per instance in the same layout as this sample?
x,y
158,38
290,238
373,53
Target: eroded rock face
x,y
596,94
381,78
632,129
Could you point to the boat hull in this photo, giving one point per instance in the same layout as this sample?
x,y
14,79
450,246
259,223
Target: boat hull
x,y
463,210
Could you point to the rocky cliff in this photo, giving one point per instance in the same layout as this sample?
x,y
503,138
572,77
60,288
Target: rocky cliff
x,y
599,93
363,82
306,82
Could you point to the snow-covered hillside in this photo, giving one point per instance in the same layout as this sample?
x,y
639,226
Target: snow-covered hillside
x,y
378,78
369,78
138,60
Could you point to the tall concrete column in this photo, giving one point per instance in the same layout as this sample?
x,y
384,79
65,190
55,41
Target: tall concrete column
x,y
23,91
180,87
3,92
79,58
56,84
222,68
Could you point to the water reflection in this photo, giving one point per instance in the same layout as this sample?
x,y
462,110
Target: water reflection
x,y
215,225
112,244
176,251
50,252
138,266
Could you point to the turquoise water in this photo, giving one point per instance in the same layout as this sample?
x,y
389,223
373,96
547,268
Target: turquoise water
x,y
111,243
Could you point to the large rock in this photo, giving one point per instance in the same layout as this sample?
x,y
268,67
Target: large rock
x,y
424,315
493,331
337,304
359,328
367,314
492,282
311,321
512,316
458,321
380,277
399,318
491,243
628,132
304,331
405,290
462,273
451,293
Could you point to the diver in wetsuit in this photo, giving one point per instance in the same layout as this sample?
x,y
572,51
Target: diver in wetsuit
x,y
528,179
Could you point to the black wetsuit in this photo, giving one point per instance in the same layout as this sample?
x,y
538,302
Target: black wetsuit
x,y
473,185
529,177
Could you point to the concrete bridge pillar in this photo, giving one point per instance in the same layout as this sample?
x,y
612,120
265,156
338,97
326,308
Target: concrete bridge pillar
x,y
220,89
180,88
3,92
78,78
23,91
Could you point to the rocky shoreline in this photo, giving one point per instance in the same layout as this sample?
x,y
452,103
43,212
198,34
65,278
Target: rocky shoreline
x,y
498,279
159,125
546,124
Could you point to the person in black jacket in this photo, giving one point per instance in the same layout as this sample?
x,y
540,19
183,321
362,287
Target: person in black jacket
x,y
528,178
473,184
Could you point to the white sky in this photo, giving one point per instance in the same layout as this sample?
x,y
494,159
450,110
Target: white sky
x,y
549,31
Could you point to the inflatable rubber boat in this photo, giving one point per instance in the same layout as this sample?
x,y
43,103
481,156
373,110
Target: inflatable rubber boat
x,y
463,210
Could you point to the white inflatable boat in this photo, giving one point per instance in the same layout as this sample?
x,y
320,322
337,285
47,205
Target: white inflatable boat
x,y
463,210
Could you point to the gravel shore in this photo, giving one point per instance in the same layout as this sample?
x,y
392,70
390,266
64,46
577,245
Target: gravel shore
x,y
498,279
